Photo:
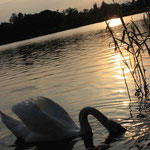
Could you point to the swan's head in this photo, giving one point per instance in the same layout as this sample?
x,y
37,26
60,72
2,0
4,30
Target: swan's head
x,y
115,128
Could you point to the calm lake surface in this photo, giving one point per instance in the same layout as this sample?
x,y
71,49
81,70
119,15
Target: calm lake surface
x,y
75,68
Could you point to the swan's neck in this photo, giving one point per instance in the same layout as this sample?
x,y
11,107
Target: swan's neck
x,y
85,128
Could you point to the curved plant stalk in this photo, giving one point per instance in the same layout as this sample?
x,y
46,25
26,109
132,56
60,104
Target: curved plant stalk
x,y
134,42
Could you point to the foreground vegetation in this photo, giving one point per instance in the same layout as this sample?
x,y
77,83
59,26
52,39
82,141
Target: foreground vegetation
x,y
24,26
130,47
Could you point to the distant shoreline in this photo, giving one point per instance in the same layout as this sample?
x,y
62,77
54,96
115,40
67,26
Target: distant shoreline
x,y
26,26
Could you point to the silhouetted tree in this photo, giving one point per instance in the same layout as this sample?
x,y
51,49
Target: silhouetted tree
x,y
13,18
23,26
95,6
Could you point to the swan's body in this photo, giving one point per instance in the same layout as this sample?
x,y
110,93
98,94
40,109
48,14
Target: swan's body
x,y
42,119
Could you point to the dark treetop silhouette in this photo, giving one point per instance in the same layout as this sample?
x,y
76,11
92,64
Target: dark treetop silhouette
x,y
24,26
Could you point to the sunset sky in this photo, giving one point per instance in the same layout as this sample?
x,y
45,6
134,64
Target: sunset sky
x,y
7,7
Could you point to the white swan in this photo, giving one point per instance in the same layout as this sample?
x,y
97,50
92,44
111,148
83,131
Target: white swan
x,y
42,119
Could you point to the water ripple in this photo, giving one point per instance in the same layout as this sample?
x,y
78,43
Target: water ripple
x,y
76,70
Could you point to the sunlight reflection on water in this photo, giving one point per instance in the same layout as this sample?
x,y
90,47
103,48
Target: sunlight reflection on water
x,y
114,22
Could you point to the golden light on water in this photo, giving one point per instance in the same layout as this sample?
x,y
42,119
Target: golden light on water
x,y
114,22
126,70
119,66
119,77
116,58
126,103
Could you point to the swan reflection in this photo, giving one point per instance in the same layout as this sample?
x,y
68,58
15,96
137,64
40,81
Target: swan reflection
x,y
89,144
64,145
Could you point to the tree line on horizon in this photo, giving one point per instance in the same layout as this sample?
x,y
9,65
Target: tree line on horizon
x,y
25,26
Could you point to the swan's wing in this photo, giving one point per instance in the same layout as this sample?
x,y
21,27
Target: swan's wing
x,y
53,109
15,126
35,119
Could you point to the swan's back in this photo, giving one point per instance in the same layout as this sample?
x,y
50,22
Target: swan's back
x,y
52,108
45,119
48,107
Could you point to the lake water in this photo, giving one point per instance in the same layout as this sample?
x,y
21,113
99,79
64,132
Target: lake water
x,y
75,68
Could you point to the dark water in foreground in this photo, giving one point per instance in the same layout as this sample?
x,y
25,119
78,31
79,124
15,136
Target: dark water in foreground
x,y
75,68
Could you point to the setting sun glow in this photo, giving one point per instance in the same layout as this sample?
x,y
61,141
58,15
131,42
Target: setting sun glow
x,y
114,22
